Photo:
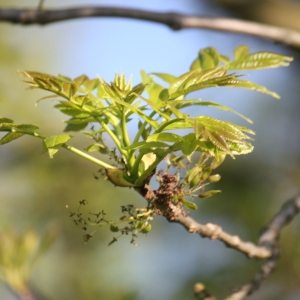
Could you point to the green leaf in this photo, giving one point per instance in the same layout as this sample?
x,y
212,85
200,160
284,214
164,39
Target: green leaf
x,y
97,147
241,51
10,137
53,143
171,123
179,81
164,137
218,141
195,77
222,107
23,128
207,58
75,127
78,121
5,120
229,130
165,77
226,136
56,140
26,128
179,123
259,60
91,84
147,145
80,80
227,81
69,89
190,144
147,160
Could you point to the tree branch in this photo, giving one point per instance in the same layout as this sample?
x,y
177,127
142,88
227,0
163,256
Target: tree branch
x,y
215,232
267,247
270,239
175,21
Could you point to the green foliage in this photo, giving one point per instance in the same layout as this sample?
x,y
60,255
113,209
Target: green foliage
x,y
99,108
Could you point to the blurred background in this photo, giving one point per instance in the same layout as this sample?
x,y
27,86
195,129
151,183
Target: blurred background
x,y
34,189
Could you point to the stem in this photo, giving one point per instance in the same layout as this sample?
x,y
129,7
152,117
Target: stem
x,y
74,150
135,168
114,138
87,156
124,129
126,140
138,135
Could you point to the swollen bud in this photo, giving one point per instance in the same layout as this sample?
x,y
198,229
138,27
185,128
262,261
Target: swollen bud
x,y
117,177
209,193
146,229
87,237
214,178
114,228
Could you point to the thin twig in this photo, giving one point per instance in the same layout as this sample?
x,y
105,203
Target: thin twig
x,y
175,21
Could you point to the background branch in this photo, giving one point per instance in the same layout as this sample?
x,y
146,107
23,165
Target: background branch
x,y
270,239
175,21
215,232
267,247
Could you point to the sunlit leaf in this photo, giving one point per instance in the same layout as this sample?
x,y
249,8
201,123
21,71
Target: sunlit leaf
x,y
222,107
165,77
167,125
259,60
91,84
164,137
53,143
80,80
97,147
241,51
147,145
227,81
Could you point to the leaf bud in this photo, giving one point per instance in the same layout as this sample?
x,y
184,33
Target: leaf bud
x,y
214,178
146,229
114,228
209,193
